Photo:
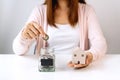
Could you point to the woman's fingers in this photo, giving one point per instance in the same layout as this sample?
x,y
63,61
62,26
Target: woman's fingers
x,y
70,64
80,66
31,33
89,58
39,28
27,36
41,31
33,30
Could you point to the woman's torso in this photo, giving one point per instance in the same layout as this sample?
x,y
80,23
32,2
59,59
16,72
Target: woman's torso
x,y
64,38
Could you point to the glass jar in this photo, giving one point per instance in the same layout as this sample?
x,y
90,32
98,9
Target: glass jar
x,y
46,60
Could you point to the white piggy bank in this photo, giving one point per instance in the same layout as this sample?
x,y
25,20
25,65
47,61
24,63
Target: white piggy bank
x,y
78,56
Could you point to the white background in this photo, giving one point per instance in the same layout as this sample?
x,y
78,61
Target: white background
x,y
14,14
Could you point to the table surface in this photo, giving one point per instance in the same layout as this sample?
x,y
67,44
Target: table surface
x,y
13,67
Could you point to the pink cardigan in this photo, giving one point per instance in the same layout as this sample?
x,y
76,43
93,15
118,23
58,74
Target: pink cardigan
x,y
91,36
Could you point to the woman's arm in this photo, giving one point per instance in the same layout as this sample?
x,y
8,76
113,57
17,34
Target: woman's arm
x,y
20,44
98,46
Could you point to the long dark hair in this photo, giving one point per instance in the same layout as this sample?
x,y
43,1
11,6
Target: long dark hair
x,y
82,1
73,11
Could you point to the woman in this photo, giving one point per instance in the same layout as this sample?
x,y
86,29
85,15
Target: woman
x,y
69,24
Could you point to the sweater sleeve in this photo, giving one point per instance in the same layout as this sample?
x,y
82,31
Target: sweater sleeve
x,y
98,45
20,45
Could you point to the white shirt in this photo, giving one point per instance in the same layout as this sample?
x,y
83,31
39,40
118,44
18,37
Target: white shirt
x,y
64,38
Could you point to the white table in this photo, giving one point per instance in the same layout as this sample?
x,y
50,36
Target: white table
x,y
13,67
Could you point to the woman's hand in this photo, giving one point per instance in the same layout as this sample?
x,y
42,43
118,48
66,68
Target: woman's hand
x,y
89,59
32,30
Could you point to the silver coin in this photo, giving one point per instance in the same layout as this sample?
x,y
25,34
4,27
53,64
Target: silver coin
x,y
46,37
